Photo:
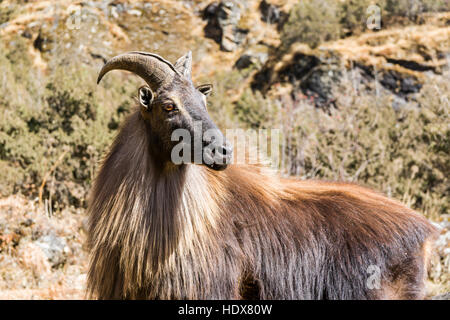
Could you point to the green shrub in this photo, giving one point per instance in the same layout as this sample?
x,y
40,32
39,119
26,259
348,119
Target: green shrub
x,y
353,15
55,130
402,153
255,111
220,104
312,22
412,8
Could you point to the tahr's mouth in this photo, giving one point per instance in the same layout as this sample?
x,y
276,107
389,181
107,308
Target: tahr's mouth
x,y
217,158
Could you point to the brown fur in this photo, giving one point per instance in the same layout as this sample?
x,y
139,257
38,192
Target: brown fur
x,y
187,232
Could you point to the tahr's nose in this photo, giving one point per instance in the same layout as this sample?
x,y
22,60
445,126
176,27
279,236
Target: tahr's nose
x,y
218,157
225,150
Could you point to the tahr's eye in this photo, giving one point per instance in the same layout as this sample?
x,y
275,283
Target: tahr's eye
x,y
169,107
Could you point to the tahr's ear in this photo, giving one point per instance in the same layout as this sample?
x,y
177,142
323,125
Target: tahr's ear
x,y
184,65
206,89
145,97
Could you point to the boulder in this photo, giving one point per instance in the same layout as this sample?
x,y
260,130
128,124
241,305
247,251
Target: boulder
x,y
314,74
399,83
44,41
223,18
318,84
253,57
270,13
55,248
445,296
309,75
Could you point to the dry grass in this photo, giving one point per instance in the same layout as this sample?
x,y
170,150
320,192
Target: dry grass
x,y
425,45
25,270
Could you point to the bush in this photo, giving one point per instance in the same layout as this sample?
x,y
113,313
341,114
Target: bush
x,y
353,15
411,9
54,131
312,22
255,111
402,153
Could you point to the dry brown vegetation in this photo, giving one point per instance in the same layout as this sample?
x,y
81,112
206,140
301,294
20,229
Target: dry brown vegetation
x,y
26,272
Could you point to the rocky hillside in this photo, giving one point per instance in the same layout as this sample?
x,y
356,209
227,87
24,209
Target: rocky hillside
x,y
354,104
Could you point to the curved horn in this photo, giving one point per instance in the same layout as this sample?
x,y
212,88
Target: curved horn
x,y
154,69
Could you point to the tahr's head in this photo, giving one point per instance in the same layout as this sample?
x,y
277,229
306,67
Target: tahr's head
x,y
181,128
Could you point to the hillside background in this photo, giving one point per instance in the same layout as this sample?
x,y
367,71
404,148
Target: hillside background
x,y
352,104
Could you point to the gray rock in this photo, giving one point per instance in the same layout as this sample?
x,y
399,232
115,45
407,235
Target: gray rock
x,y
244,61
445,296
310,76
318,84
445,224
44,42
255,56
223,18
54,247
400,84
270,13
